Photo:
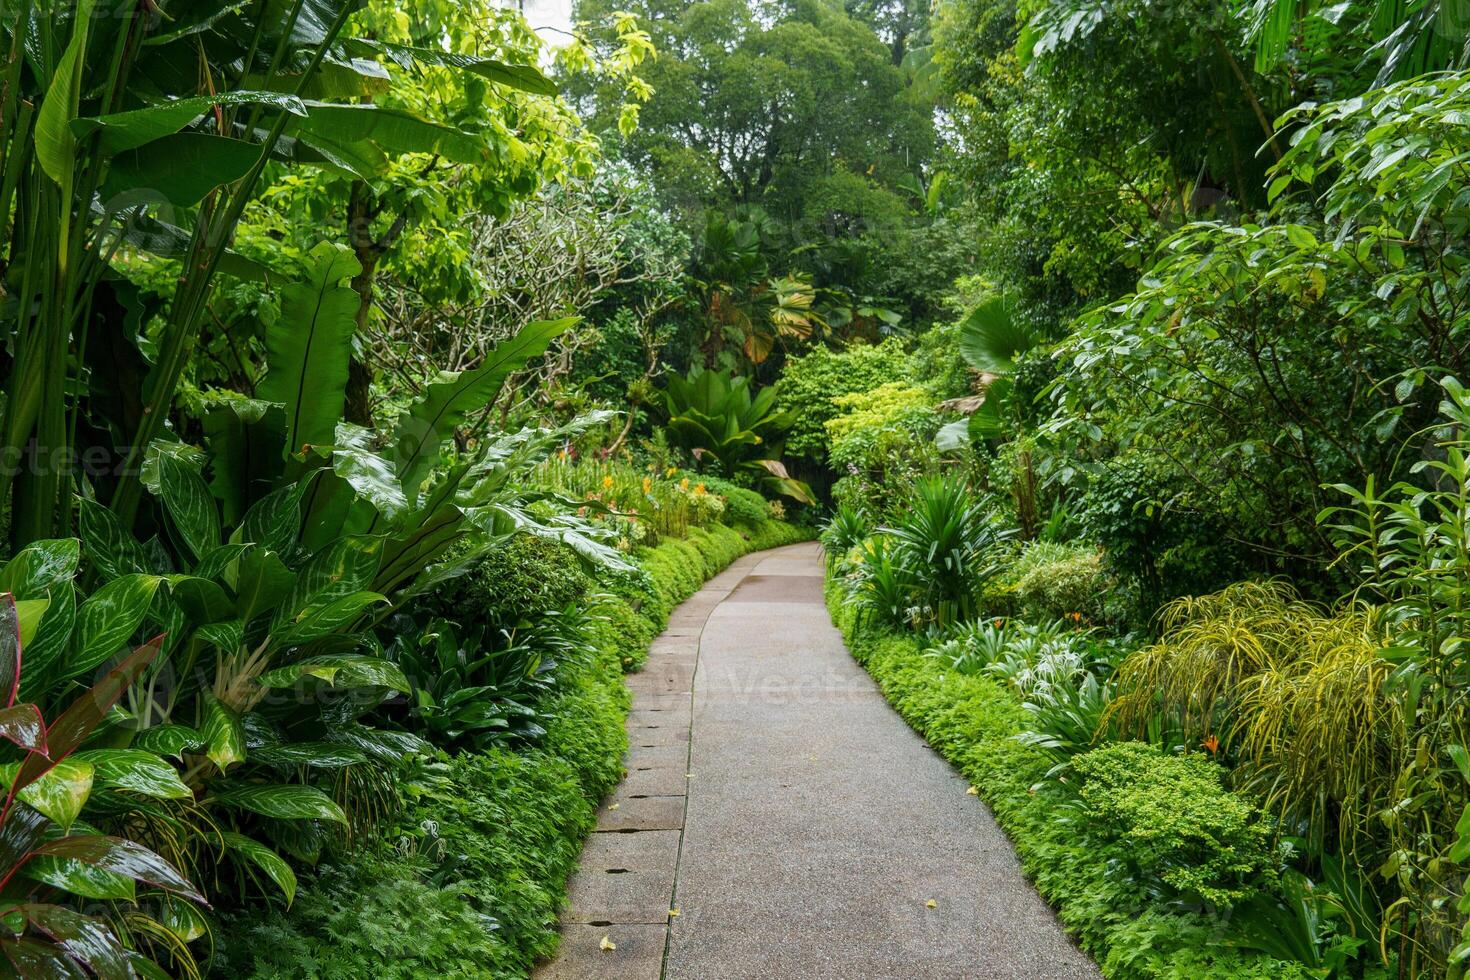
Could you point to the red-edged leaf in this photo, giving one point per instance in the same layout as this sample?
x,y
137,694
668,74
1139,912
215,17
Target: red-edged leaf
x,y
85,939
9,649
23,725
69,731
122,857
22,828
35,960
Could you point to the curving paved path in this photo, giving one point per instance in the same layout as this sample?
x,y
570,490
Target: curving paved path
x,y
799,827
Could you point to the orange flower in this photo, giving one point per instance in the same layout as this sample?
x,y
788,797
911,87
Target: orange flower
x,y
1211,744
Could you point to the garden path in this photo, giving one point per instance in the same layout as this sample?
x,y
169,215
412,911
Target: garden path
x,y
798,826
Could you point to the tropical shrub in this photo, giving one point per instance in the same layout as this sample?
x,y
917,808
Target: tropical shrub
x,y
484,848
1134,933
847,529
1181,827
727,425
1057,581
883,588
863,416
940,546
811,382
49,935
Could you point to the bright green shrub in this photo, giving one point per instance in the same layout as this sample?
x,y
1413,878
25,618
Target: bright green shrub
x,y
809,384
742,505
527,575
853,433
1053,581
936,364
1176,821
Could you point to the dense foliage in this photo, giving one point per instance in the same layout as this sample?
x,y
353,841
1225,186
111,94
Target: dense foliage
x,y
378,376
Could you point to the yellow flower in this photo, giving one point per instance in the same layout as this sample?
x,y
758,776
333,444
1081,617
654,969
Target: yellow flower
x,y
699,489
684,483
670,471
647,485
607,482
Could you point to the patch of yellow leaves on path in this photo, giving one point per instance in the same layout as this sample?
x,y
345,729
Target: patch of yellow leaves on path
x,y
607,944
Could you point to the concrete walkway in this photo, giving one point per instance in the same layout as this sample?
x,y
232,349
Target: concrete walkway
x,y
798,826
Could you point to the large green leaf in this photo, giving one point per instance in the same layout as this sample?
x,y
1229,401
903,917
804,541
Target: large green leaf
x,y
109,545
321,618
187,499
201,600
39,566
284,802
227,635
272,522
953,437
372,476
53,639
265,859
59,793
137,771
129,130
341,670
182,919
315,755
345,566
448,402
122,857
107,620
261,581
223,734
364,161
172,740
81,879
395,131
527,78
992,336
247,441
180,169
309,345
55,146
989,420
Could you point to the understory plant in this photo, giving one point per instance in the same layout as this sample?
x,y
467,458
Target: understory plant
x,y
732,428
940,545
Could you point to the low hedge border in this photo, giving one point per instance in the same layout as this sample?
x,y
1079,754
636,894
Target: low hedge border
x,y
472,883
972,722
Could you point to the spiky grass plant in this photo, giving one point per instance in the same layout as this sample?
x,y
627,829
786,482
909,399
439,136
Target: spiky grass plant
x,y
940,543
1293,691
847,529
